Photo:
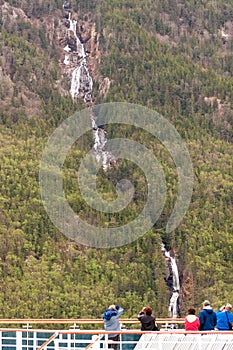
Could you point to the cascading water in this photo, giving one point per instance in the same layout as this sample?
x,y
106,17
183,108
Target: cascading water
x,y
81,83
81,86
174,283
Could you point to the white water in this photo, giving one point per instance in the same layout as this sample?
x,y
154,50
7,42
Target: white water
x,y
173,304
81,83
81,86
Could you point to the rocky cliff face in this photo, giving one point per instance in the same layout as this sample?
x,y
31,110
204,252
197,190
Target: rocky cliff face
x,y
51,33
70,55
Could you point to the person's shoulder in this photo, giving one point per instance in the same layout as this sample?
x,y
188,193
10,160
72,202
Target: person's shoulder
x,y
209,311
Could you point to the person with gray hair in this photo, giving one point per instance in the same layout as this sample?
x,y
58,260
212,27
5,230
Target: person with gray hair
x,y
207,317
224,318
111,323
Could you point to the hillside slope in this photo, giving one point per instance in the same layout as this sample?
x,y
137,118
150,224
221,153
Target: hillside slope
x,y
174,57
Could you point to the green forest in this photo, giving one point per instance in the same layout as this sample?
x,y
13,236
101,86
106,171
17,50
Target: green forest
x,y
171,56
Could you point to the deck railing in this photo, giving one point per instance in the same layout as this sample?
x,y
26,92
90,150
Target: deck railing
x,y
37,339
27,337
81,321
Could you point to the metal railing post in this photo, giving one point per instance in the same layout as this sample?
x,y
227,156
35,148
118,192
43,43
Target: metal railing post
x,y
74,326
105,344
199,341
56,344
120,341
27,335
19,341
160,343
34,339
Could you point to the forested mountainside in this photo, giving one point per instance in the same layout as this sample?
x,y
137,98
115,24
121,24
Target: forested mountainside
x,y
172,56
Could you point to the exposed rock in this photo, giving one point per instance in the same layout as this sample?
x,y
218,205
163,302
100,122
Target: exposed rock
x,y
70,54
210,101
56,29
6,86
104,87
186,298
226,32
13,13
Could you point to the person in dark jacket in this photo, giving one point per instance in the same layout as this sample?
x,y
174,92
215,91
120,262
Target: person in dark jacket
x,y
207,317
147,319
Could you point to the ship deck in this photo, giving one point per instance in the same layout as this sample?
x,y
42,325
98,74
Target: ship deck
x,y
26,337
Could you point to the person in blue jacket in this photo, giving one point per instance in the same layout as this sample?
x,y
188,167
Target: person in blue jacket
x,y
207,317
111,322
224,318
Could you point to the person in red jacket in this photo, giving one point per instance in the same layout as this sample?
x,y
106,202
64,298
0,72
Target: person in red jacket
x,y
191,322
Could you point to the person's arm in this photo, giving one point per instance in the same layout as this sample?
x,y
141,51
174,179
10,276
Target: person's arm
x,y
215,320
201,319
141,313
119,310
156,327
230,316
222,308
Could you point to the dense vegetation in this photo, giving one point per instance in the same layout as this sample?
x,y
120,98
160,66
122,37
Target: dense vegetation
x,y
168,55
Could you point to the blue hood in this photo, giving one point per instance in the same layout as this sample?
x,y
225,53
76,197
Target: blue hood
x,y
109,314
209,310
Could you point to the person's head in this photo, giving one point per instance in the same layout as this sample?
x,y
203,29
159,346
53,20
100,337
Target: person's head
x,y
206,303
147,310
112,307
228,307
191,311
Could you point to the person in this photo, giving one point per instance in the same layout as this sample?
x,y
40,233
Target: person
x,y
147,319
191,322
224,318
111,323
207,317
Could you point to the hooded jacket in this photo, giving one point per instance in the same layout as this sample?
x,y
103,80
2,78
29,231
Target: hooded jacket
x,y
191,323
111,320
208,319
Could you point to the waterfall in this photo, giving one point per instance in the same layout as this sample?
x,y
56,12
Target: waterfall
x,y
82,85
173,282
100,141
